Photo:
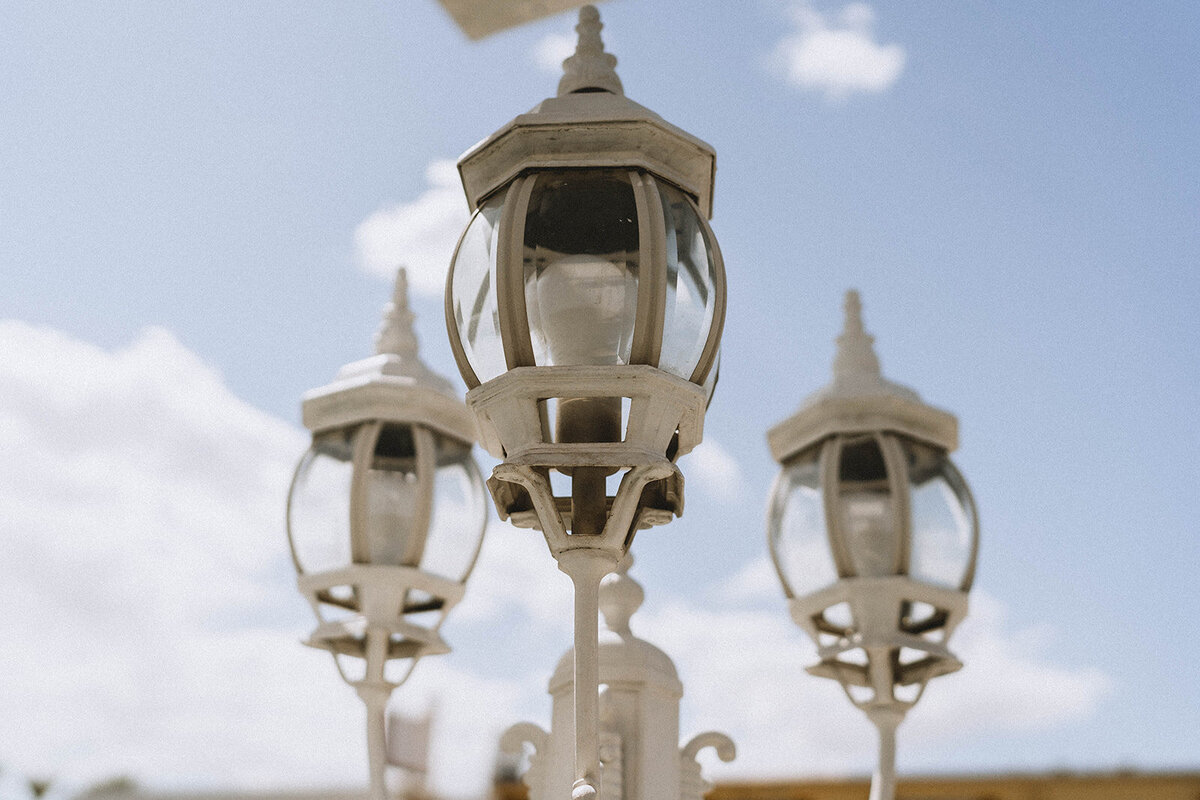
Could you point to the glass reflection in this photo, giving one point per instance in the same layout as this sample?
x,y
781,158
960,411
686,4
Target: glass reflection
x,y
473,292
691,277
459,513
796,526
319,504
943,519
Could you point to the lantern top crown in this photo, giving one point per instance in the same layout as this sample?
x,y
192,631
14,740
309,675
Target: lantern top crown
x,y
396,341
856,370
590,69
396,334
860,399
590,123
394,385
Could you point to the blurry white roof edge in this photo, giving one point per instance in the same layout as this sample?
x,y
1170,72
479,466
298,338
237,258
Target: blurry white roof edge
x,y
481,18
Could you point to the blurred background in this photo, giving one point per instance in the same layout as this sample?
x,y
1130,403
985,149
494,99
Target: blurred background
x,y
202,205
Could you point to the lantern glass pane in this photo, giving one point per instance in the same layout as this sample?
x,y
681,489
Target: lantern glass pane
x,y
865,508
459,512
796,527
943,519
319,511
473,292
691,281
581,252
392,500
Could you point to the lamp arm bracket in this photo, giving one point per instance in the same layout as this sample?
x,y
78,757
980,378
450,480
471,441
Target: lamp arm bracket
x,y
692,785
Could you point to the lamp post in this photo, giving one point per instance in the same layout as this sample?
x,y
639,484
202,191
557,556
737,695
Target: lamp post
x,y
874,535
385,517
585,304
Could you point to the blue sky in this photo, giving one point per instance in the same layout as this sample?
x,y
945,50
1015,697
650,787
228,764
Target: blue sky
x,y
200,206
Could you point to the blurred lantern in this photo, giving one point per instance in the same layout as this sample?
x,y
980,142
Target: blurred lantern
x,y
385,516
874,535
585,304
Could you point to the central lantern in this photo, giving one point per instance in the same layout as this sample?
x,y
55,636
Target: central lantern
x,y
585,304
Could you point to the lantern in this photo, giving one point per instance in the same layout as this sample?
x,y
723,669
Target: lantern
x,y
386,515
874,534
585,304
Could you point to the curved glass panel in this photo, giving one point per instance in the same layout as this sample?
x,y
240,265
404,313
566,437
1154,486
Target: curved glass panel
x,y
319,504
581,267
392,500
473,292
943,518
691,281
459,513
796,527
710,380
868,528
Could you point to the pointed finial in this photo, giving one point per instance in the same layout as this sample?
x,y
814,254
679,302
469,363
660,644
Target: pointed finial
x,y
855,347
620,597
590,69
395,333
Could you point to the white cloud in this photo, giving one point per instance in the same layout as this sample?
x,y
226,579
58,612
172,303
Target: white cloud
x,y
756,582
522,579
551,50
837,56
419,235
715,469
783,717
1007,682
146,572
152,627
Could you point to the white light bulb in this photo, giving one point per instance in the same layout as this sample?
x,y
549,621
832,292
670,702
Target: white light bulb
x,y
585,310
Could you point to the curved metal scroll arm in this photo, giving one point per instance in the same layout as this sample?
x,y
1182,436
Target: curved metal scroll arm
x,y
513,741
692,785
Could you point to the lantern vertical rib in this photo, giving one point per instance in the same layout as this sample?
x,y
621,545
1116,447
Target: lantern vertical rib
x,y
385,517
876,581
585,370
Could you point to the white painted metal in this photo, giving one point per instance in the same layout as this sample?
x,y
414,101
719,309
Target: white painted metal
x,y
592,126
599,128
481,18
367,613
881,636
394,385
638,738
860,399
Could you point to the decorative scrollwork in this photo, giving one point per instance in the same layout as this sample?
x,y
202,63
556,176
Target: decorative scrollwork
x,y
513,741
692,785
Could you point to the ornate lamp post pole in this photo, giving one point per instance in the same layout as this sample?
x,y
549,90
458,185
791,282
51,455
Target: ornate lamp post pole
x,y
585,304
385,517
874,534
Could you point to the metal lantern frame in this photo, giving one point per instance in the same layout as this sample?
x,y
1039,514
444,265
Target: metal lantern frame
x,y
650,315
381,613
352,601
889,635
590,125
589,129
896,448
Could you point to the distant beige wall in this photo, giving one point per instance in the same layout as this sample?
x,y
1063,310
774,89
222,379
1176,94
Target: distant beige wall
x,y
1174,786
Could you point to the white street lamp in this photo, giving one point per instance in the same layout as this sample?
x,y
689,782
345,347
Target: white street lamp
x,y
385,517
874,534
585,304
